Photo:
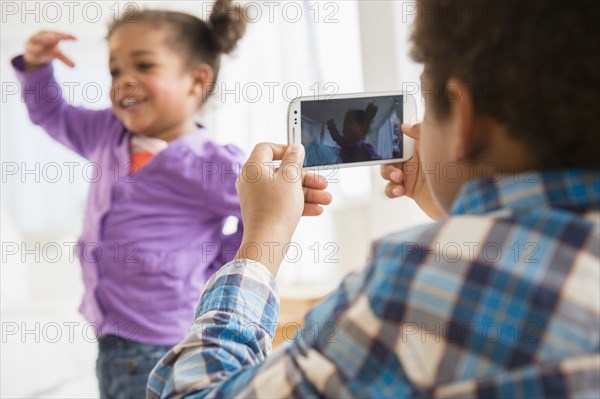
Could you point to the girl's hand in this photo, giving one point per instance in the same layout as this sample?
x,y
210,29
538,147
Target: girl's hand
x,y
273,200
42,48
406,178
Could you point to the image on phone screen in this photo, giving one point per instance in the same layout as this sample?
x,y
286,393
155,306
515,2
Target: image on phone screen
x,y
351,130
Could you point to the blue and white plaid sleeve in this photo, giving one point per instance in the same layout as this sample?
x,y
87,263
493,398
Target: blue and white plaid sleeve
x,y
234,325
225,352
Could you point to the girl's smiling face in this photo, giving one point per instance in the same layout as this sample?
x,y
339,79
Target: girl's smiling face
x,y
152,91
352,129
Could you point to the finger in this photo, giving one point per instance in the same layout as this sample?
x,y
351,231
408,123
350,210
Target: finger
x,y
398,191
318,197
39,47
51,38
314,180
67,36
62,57
390,172
394,190
412,131
266,152
46,39
396,176
37,42
293,158
312,210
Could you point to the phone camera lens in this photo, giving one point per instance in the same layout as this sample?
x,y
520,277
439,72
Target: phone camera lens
x,y
295,112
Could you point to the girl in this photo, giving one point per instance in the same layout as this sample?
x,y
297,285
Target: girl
x,y
354,147
153,225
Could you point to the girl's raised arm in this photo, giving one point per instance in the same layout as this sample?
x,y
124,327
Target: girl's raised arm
x,y
82,130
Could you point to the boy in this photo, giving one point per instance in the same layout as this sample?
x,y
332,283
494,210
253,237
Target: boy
x,y
501,297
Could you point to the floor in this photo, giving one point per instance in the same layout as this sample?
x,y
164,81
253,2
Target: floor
x,y
47,349
47,353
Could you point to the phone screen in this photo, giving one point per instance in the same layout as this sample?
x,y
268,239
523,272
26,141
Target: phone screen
x,y
351,130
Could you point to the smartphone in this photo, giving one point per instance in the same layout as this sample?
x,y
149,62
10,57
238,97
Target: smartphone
x,y
352,129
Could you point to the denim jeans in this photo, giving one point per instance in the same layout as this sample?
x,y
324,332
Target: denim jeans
x,y
123,366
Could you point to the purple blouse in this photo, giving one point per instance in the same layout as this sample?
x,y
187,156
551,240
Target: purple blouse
x,y
150,239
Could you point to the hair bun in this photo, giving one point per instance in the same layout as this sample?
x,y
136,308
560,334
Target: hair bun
x,y
227,25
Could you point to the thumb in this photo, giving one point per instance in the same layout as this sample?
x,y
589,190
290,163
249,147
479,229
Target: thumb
x,y
293,159
412,131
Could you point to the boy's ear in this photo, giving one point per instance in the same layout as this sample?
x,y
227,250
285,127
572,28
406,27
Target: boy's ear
x,y
468,139
203,80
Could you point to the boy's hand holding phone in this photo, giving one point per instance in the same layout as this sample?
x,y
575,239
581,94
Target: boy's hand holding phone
x,y
406,178
273,200
42,48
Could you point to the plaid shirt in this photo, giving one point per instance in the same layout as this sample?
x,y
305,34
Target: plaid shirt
x,y
502,299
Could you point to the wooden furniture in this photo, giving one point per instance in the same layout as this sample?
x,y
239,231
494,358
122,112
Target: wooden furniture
x,y
295,302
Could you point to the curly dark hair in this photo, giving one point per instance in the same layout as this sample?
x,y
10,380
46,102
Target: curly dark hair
x,y
197,40
533,66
